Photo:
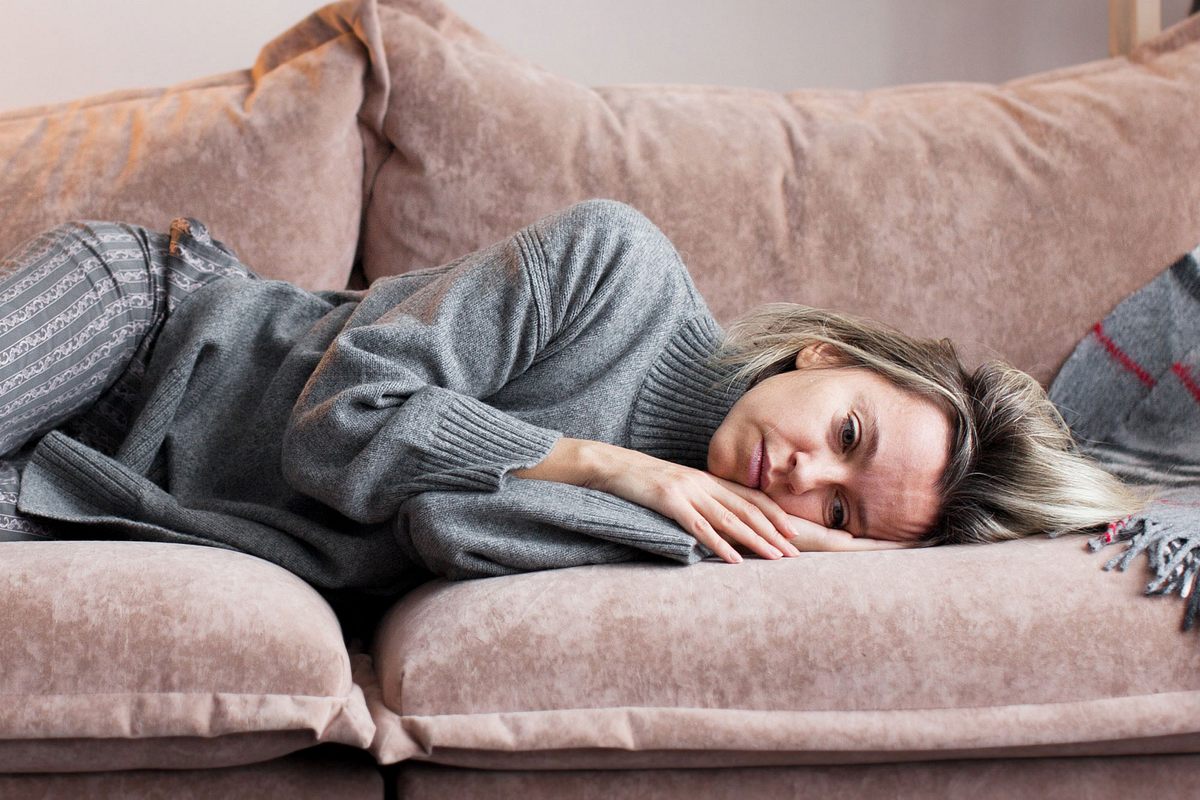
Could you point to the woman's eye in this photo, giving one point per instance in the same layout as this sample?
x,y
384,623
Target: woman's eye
x,y
848,434
837,514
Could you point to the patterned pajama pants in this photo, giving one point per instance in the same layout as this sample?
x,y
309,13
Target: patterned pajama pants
x,y
80,308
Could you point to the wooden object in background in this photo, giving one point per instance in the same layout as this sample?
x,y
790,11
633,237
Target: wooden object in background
x,y
1131,22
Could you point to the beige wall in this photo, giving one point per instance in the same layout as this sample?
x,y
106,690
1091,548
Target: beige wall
x,y
53,50
785,44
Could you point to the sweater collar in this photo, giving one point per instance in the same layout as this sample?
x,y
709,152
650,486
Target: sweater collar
x,y
684,398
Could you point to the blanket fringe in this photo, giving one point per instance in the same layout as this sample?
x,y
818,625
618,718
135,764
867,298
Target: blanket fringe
x,y
1175,558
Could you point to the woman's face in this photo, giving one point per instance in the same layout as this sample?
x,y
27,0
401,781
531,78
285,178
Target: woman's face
x,y
844,448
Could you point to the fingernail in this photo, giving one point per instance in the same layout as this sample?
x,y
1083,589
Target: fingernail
x,y
774,553
737,559
792,549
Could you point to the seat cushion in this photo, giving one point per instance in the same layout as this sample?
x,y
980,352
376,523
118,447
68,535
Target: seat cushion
x,y
141,655
947,209
1024,648
270,158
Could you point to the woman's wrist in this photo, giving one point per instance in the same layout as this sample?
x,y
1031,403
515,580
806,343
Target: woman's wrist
x,y
580,462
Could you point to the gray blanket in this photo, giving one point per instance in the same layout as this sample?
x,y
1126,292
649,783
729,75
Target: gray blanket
x,y
1131,393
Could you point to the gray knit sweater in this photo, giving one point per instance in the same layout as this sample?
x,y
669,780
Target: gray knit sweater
x,y
364,440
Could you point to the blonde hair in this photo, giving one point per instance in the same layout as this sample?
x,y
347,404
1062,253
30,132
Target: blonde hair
x,y
1013,467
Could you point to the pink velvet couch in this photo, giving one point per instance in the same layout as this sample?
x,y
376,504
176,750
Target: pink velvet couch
x,y
379,136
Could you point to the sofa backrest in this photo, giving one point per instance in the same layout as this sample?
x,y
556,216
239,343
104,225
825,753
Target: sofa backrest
x,y
1007,217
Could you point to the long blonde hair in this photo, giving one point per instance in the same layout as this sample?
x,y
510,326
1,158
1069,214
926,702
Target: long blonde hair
x,y
1013,467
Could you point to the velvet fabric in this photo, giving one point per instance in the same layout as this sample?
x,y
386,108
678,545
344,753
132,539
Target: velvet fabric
x,y
134,655
270,157
948,209
1024,648
1133,778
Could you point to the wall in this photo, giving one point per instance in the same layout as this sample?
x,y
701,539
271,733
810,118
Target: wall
x,y
53,50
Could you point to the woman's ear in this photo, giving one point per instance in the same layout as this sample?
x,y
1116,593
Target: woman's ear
x,y
818,355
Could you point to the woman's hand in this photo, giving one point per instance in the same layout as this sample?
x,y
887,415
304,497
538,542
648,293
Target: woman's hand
x,y
804,535
720,514
723,515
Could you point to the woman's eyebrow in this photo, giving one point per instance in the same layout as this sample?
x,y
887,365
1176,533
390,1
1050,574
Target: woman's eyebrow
x,y
870,436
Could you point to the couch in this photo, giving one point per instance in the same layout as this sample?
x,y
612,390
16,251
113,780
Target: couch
x,y
380,136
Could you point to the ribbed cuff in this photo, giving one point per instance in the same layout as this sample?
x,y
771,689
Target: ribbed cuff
x,y
620,521
67,480
477,444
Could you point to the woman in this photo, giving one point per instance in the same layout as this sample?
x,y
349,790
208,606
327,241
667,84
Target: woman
x,y
563,397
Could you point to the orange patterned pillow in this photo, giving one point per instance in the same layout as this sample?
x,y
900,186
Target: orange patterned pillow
x,y
269,158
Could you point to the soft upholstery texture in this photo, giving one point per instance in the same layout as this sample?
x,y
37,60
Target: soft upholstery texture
x,y
317,775
270,158
1007,217
128,655
1017,649
1132,778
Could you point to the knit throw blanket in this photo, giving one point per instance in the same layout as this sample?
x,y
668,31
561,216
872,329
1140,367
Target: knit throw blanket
x,y
1131,393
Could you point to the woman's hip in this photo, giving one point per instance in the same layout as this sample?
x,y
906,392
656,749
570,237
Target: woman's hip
x,y
80,307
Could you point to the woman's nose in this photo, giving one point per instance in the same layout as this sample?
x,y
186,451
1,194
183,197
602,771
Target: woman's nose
x,y
809,471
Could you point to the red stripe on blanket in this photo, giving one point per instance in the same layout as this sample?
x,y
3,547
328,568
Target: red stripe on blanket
x,y
1122,357
1185,377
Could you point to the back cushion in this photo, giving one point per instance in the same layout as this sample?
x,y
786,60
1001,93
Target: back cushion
x,y
269,158
1009,217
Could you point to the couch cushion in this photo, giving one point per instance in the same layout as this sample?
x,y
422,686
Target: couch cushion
x,y
1009,217
270,158
1025,648
138,655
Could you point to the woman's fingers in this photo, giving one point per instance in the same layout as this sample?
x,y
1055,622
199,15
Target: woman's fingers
x,y
704,533
717,517
719,526
762,514
737,521
760,525
810,536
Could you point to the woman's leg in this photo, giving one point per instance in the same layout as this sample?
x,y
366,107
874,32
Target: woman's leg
x,y
80,306
75,303
179,263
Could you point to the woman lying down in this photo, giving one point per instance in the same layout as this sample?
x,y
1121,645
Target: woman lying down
x,y
563,397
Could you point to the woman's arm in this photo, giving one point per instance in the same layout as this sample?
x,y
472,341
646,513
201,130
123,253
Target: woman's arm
x,y
573,461
398,404
534,525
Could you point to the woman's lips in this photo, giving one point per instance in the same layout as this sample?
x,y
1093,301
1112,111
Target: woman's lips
x,y
764,470
755,467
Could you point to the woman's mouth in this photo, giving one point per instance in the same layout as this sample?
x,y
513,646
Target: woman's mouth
x,y
756,466
764,469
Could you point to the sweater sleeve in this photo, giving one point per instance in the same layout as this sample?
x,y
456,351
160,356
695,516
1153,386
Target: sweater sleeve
x,y
534,525
397,405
